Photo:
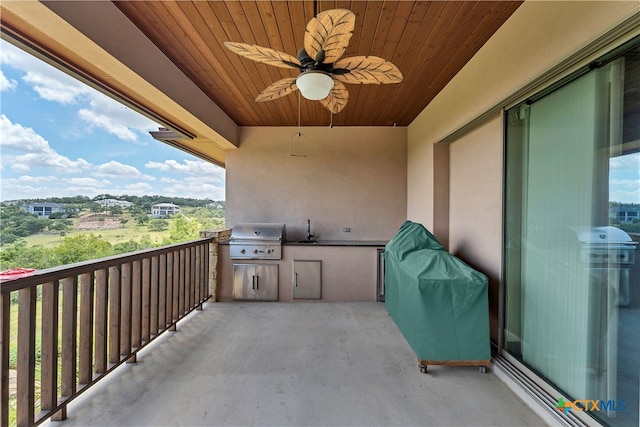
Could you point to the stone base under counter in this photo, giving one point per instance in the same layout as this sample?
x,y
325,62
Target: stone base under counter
x,y
349,272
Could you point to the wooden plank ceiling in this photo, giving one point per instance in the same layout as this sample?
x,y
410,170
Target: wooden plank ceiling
x,y
429,41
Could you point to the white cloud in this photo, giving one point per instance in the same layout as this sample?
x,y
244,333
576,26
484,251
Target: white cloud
x,y
50,83
19,167
191,167
625,190
57,87
17,138
170,180
116,170
51,159
626,183
203,180
201,191
624,178
7,84
622,196
113,117
138,189
87,182
14,192
38,162
99,110
626,162
93,118
119,170
27,179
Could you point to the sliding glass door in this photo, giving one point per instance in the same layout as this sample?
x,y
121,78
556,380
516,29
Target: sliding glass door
x,y
572,281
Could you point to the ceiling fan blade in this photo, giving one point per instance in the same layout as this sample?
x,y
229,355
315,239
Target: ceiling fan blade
x,y
278,89
368,70
263,54
337,98
328,34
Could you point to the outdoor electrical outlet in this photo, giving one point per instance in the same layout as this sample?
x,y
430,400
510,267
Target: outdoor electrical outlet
x,y
346,229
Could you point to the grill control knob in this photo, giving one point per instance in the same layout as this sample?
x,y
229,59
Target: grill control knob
x,y
269,251
255,251
242,251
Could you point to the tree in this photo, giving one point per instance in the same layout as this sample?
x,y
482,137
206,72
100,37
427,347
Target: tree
x,y
145,242
19,255
158,224
60,225
8,238
125,247
142,219
136,211
123,222
30,226
14,221
115,210
183,229
71,211
96,207
81,248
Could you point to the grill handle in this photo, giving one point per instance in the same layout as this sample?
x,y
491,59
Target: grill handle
x,y
255,283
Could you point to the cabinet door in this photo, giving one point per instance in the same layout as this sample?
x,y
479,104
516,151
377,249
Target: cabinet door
x,y
307,279
266,282
255,282
243,281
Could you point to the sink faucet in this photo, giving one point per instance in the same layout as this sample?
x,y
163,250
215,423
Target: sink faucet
x,y
309,235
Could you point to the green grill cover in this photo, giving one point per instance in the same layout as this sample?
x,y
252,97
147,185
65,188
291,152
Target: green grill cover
x,y
439,303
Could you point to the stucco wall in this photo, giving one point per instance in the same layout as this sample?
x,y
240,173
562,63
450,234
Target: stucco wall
x,y
420,172
475,204
353,177
536,39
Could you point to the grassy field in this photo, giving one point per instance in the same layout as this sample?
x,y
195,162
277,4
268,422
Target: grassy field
x,y
110,230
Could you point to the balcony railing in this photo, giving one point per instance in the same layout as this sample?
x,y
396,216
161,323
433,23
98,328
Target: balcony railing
x,y
78,322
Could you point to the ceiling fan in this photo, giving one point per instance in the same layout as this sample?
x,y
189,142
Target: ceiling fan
x,y
322,72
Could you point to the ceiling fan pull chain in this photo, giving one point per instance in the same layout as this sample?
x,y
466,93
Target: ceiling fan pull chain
x,y
299,140
299,93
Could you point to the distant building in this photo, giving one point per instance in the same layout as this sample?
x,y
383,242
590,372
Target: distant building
x,y
214,205
43,209
107,203
625,214
163,210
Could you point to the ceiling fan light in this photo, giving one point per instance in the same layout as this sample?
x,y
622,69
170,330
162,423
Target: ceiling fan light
x,y
314,85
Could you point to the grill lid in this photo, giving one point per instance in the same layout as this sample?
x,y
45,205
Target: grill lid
x,y
603,236
258,232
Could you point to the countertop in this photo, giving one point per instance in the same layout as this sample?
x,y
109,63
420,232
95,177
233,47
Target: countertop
x,y
339,243
359,243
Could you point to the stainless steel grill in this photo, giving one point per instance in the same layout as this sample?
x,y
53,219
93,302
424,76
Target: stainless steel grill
x,y
608,253
257,241
605,245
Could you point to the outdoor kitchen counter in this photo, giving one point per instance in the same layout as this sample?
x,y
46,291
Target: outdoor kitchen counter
x,y
376,243
349,269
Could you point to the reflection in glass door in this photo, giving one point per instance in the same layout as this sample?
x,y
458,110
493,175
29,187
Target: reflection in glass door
x,y
572,307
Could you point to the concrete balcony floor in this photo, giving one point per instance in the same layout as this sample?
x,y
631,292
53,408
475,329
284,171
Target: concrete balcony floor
x,y
300,363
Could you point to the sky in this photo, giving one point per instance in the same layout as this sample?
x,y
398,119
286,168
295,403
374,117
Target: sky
x,y
61,138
